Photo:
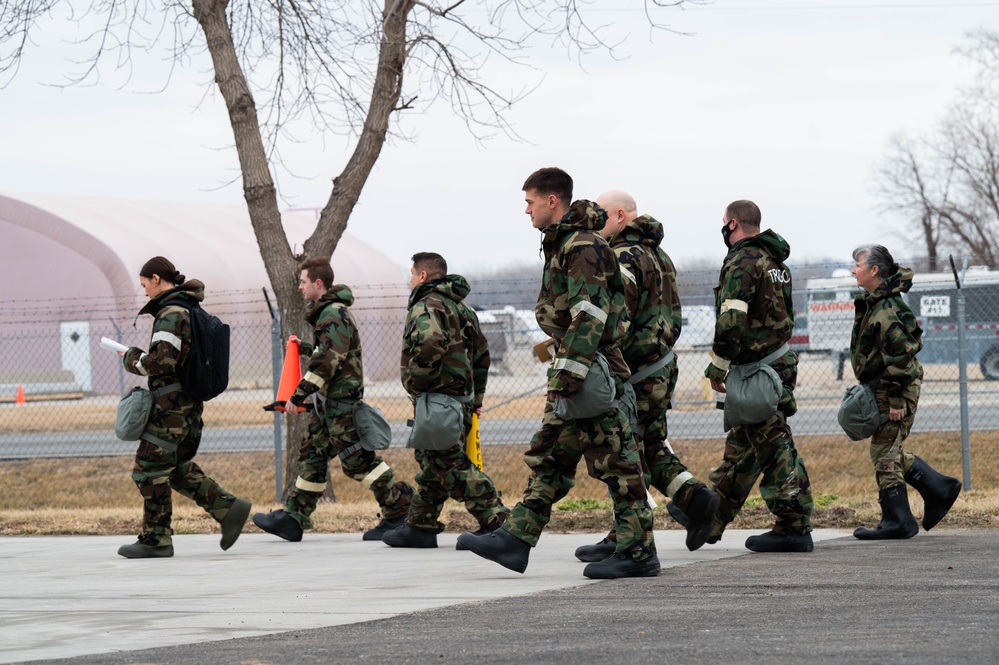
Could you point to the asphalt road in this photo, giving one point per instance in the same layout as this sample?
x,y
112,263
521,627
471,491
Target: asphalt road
x,y
932,599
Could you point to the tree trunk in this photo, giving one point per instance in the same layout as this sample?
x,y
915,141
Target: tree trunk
x,y
259,192
258,184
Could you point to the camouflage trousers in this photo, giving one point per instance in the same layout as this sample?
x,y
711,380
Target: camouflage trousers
x,y
766,449
612,457
663,469
661,466
450,473
890,460
158,471
329,437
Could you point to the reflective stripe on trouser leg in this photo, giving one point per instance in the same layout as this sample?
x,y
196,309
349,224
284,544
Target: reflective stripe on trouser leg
x,y
393,495
677,483
375,474
309,486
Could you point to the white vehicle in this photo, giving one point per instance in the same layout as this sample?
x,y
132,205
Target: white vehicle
x,y
510,328
698,325
933,300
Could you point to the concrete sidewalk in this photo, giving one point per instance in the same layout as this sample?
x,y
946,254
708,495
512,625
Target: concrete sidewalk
x,y
62,597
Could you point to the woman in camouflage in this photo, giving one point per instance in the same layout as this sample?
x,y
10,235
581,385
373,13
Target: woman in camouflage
x,y
883,348
164,458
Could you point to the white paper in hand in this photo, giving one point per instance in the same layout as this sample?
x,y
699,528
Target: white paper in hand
x,y
113,345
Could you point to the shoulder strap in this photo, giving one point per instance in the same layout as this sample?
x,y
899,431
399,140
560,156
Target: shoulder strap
x,y
773,357
659,364
169,388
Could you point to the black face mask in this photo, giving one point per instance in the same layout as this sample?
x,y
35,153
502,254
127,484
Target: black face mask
x,y
726,234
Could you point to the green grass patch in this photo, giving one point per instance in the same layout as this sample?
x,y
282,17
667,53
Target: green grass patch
x,y
584,504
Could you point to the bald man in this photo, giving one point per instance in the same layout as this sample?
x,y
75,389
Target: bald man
x,y
654,309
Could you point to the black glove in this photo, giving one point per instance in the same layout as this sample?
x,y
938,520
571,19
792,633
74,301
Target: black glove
x,y
298,400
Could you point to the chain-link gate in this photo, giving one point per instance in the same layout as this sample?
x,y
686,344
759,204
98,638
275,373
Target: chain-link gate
x,y
59,391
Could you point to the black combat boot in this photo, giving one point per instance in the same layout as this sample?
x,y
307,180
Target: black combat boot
x,y
500,546
621,565
146,547
939,492
489,528
680,518
678,515
280,524
700,516
411,536
232,523
597,552
775,542
383,527
897,521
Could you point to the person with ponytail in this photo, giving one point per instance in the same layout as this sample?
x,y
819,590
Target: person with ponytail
x,y
164,460
883,348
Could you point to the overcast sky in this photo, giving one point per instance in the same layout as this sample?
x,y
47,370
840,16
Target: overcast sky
x,y
790,104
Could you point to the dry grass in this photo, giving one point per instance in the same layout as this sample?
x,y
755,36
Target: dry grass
x,y
96,495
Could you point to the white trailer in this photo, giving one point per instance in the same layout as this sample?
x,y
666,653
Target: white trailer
x,y
933,300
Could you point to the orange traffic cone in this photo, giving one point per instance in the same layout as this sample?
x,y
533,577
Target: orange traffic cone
x,y
20,395
291,373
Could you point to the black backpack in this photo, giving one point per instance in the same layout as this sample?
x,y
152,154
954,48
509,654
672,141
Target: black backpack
x,y
205,373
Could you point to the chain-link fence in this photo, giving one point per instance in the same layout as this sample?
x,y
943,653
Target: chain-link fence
x,y
59,391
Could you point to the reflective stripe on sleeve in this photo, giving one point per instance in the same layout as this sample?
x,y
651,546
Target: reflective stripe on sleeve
x,y
375,474
315,380
138,365
587,307
165,336
721,363
309,486
738,305
577,368
627,275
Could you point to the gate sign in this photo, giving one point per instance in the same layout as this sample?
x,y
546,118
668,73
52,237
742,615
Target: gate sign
x,y
930,306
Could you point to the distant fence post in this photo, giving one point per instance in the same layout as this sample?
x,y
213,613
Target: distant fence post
x,y
276,363
962,364
121,366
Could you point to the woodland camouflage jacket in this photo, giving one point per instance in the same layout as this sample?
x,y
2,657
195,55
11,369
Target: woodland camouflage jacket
x,y
169,344
335,369
581,303
649,292
754,307
443,348
886,338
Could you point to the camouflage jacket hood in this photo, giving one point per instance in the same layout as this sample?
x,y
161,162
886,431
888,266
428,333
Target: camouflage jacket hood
x,y
443,348
755,310
770,242
452,287
583,215
192,290
581,302
335,369
652,299
886,338
336,294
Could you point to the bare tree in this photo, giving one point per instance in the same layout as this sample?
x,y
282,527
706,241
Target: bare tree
x,y
348,66
946,185
905,188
